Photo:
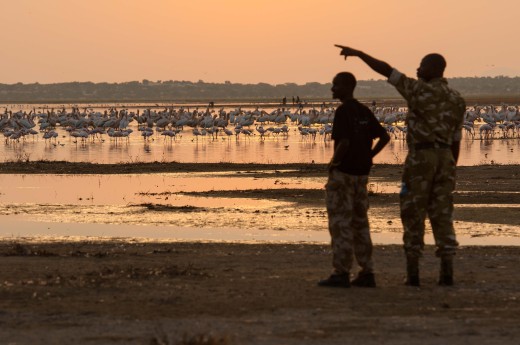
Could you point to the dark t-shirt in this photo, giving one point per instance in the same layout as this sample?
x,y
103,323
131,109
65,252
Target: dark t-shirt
x,y
357,123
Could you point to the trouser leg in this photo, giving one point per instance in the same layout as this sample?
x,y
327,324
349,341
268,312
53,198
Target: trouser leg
x,y
413,199
360,226
339,200
440,209
414,195
440,212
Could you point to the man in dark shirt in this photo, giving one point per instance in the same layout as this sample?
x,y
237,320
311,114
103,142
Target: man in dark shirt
x,y
354,129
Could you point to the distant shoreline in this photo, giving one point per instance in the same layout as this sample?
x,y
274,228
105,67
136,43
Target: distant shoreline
x,y
475,89
65,167
246,102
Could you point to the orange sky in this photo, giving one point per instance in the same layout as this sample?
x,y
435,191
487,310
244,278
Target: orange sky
x,y
272,41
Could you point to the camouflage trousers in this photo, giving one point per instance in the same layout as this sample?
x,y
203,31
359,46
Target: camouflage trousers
x,y
347,207
427,186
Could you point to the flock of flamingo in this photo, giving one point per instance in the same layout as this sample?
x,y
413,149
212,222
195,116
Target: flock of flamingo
x,y
89,124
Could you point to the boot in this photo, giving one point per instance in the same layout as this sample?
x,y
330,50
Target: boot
x,y
412,271
364,280
446,273
336,280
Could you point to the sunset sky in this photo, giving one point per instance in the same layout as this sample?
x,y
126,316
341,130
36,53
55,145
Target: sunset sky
x,y
250,41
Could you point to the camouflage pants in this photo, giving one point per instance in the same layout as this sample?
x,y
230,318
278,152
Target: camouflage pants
x,y
427,186
347,206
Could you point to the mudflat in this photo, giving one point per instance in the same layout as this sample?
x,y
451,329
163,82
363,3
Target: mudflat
x,y
124,291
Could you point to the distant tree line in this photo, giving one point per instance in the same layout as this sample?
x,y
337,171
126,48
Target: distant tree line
x,y
169,91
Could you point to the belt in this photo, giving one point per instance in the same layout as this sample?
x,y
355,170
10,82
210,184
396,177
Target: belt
x,y
434,145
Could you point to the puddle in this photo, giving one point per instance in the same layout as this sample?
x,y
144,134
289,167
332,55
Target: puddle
x,y
136,188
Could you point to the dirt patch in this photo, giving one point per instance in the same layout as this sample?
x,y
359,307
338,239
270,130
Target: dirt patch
x,y
63,167
169,208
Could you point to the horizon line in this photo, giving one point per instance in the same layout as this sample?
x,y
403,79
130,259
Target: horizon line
x,y
226,82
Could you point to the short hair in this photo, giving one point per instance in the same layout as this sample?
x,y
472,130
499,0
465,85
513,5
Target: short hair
x,y
346,79
436,61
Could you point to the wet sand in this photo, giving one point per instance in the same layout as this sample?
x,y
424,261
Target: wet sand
x,y
112,291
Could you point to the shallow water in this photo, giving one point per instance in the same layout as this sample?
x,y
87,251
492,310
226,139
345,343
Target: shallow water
x,y
138,188
153,206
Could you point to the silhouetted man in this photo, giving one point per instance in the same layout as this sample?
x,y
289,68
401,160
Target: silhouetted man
x,y
353,131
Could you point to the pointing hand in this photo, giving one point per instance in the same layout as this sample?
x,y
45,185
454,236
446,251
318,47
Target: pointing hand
x,y
346,51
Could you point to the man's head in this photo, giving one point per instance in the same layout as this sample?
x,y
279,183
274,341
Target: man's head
x,y
343,85
432,66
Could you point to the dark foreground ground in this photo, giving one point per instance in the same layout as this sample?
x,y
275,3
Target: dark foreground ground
x,y
221,293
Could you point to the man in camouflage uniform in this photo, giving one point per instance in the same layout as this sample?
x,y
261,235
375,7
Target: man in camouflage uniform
x,y
435,118
354,129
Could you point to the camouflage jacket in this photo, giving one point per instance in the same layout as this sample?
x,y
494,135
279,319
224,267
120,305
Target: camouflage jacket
x,y
435,111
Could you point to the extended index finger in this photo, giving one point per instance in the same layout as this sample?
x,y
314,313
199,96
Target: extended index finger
x,y
340,46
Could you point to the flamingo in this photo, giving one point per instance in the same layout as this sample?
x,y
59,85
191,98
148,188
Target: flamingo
x,y
486,131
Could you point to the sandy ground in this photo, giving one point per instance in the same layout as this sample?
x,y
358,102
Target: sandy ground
x,y
129,292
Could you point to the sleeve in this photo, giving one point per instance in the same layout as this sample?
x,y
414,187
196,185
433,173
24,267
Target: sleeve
x,y
376,130
404,85
457,136
340,127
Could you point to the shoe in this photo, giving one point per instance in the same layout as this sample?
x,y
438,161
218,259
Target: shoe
x,y
364,280
446,273
336,280
412,281
446,281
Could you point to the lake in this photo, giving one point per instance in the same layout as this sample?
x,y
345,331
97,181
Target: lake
x,y
79,206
